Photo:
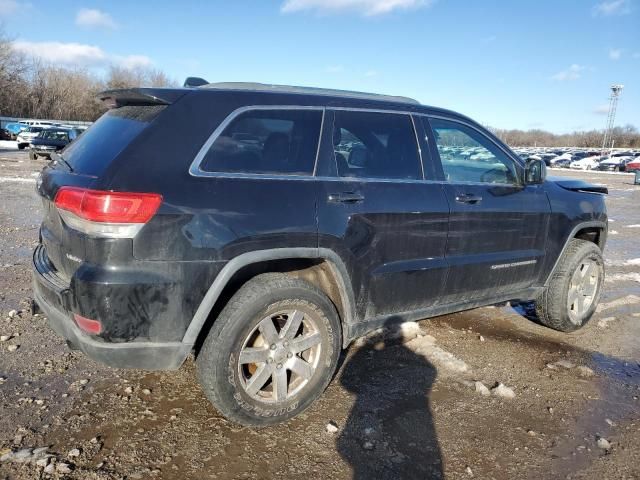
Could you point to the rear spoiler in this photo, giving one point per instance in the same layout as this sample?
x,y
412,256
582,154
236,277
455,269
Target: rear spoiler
x,y
140,96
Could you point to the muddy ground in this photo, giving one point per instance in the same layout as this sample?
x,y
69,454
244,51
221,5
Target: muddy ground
x,y
402,410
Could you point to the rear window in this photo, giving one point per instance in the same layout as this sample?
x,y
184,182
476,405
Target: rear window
x,y
93,151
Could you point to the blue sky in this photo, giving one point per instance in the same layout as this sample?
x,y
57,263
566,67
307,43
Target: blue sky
x,y
509,64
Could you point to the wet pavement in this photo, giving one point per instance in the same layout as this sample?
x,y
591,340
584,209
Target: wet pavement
x,y
407,409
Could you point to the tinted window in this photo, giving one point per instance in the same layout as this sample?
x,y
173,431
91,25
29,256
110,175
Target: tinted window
x,y
267,141
375,145
469,156
100,144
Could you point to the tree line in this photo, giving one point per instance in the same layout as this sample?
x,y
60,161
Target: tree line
x,y
31,88
623,137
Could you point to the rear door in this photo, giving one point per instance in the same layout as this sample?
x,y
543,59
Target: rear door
x,y
378,213
498,226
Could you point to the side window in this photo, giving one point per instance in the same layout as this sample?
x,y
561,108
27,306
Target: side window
x,y
267,141
375,145
469,156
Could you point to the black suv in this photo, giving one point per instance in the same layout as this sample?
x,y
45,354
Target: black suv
x,y
266,227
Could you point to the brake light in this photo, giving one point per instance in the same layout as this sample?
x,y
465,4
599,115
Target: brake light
x,y
92,327
103,213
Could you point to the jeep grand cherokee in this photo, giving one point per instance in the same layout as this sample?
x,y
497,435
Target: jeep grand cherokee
x,y
266,227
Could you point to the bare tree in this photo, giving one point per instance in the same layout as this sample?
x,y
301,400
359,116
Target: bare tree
x,y
13,67
122,77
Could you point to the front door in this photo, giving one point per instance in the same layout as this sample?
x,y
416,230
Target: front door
x,y
498,226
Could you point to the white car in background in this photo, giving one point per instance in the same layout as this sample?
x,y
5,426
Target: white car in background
x,y
561,160
588,163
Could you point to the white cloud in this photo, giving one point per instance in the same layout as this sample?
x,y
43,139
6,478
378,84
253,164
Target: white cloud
x,y
78,54
574,72
371,73
334,69
133,61
615,54
612,7
364,7
601,109
90,18
9,7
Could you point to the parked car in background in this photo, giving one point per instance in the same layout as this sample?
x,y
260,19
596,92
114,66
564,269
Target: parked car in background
x,y
37,123
15,128
634,165
615,164
588,163
51,140
24,138
562,161
5,134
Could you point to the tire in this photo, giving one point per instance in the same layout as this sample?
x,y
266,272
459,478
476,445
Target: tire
x,y
33,156
21,146
554,307
242,328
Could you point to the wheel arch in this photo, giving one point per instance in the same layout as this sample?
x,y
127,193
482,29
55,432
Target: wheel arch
x,y
594,231
321,267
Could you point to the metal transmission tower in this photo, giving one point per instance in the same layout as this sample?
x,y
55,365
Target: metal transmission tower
x,y
616,91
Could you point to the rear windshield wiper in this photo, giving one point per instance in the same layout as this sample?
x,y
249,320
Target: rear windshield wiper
x,y
58,158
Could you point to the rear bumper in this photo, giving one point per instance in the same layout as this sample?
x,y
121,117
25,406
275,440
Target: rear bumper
x,y
52,297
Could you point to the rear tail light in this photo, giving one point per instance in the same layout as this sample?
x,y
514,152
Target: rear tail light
x,y
92,327
106,214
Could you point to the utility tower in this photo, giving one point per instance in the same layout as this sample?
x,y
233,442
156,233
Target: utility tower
x,y
616,91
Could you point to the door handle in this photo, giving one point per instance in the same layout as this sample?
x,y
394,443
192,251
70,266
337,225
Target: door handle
x,y
346,197
468,198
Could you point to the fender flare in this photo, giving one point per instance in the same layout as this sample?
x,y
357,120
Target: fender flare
x,y
576,229
245,259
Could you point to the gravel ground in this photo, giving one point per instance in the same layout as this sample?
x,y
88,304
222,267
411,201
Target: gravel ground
x,y
483,394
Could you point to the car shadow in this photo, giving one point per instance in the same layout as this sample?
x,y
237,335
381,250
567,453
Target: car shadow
x,y
390,432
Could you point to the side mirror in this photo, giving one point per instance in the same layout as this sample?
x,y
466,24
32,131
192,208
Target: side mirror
x,y
535,171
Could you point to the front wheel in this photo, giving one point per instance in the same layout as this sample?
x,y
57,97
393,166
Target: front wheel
x,y
271,352
570,299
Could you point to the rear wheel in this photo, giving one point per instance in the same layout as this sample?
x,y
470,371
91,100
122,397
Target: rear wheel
x,y
572,295
271,352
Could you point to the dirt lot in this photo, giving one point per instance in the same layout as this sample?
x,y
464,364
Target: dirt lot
x,y
407,409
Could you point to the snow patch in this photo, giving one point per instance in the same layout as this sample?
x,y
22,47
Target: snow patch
x,y
634,226
633,261
620,302
427,348
8,144
17,180
624,277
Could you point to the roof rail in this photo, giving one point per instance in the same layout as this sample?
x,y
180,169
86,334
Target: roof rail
x,y
262,87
